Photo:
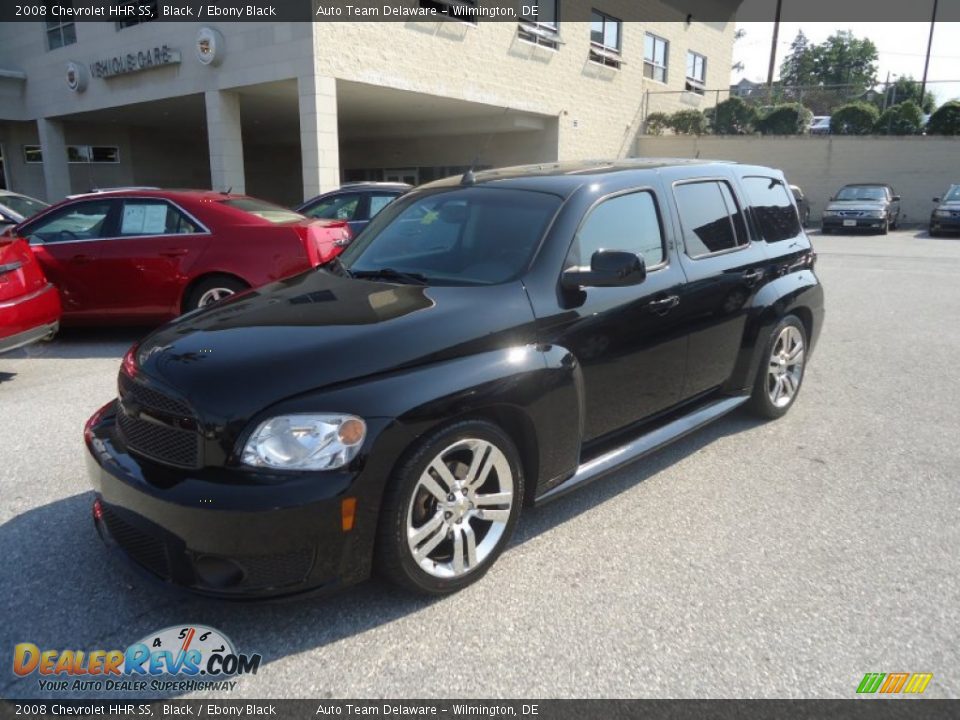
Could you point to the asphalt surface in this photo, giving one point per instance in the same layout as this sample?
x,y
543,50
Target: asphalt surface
x,y
781,559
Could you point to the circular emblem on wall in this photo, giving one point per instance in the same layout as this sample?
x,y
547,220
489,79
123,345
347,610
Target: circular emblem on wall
x,y
210,46
76,76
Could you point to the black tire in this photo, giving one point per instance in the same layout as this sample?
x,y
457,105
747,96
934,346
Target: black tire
x,y
209,284
393,558
885,230
806,219
826,231
761,403
934,233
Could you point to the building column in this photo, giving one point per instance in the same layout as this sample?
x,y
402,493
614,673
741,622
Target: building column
x,y
319,136
56,171
225,140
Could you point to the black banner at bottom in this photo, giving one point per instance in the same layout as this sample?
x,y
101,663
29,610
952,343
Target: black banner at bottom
x,y
858,709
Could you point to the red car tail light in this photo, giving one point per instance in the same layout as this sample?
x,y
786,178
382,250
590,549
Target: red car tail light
x,y
20,273
324,239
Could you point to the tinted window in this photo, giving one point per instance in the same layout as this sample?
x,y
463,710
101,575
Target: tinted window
x,y
711,219
22,205
79,221
378,201
153,217
263,210
952,194
626,222
775,215
862,192
337,207
471,236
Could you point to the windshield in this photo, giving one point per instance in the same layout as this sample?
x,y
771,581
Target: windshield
x,y
22,205
953,194
862,192
469,236
264,210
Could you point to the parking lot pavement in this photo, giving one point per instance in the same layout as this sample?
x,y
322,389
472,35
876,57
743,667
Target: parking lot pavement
x,y
780,559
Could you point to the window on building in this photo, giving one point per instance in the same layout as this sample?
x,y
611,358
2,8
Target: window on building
x,y
541,27
93,154
773,210
60,33
462,10
711,218
140,11
626,222
696,73
656,53
605,39
32,154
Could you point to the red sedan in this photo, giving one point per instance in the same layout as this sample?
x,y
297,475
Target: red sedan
x,y
29,305
149,255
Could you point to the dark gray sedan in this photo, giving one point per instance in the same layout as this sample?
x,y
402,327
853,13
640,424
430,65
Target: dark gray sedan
x,y
946,216
862,206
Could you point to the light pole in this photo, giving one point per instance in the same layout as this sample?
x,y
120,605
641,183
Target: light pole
x,y
926,64
773,51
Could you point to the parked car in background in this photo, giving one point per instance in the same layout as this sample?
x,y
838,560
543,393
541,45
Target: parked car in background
x,y
945,218
803,205
862,206
819,125
15,208
356,203
488,342
29,304
146,256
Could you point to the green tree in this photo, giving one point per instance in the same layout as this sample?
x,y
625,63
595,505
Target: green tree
x,y
841,59
946,120
657,122
733,117
907,89
856,118
786,119
688,122
798,67
905,118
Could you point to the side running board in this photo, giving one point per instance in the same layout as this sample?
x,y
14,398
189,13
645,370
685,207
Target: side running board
x,y
643,445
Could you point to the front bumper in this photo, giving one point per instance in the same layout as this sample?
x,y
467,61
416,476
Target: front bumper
x,y
230,534
859,223
945,224
29,318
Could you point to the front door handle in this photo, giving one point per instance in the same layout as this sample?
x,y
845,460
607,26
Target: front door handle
x,y
752,276
664,305
174,252
81,259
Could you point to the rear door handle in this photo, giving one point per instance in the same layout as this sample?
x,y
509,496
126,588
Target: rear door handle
x,y
664,305
81,259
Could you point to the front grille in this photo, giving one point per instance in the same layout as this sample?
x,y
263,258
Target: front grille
x,y
266,571
160,437
141,547
851,213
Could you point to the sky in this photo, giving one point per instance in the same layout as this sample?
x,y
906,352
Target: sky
x,y
901,48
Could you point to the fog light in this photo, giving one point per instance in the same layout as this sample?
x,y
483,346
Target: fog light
x,y
218,572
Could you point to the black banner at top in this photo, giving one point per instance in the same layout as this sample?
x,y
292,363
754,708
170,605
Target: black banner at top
x,y
472,11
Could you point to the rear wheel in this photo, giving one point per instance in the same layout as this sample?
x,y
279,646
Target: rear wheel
x,y
451,509
885,230
213,289
781,373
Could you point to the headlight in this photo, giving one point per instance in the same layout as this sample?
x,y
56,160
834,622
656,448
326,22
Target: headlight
x,y
305,442
942,213
875,213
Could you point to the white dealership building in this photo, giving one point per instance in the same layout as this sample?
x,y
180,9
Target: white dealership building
x,y
284,110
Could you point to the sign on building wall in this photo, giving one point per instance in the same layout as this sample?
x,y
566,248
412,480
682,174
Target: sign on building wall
x,y
135,62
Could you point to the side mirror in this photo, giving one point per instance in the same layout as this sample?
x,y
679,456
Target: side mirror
x,y
936,200
896,198
608,268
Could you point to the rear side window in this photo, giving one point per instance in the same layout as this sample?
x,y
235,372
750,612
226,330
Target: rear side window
x,y
153,217
712,220
774,212
337,207
264,210
625,222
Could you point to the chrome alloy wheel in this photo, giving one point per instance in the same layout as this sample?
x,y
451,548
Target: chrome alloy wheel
x,y
459,508
786,367
213,295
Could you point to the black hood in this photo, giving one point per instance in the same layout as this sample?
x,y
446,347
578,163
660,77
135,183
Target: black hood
x,y
318,329
858,205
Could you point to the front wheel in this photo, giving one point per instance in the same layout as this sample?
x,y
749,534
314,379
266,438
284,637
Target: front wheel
x,y
781,373
451,509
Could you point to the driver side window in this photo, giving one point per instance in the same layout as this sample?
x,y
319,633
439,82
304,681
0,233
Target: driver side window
x,y
628,222
78,221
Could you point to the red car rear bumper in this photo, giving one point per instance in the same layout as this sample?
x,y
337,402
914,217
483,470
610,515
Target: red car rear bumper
x,y
28,318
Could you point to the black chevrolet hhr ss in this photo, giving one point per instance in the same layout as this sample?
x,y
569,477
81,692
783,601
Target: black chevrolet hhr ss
x,y
488,341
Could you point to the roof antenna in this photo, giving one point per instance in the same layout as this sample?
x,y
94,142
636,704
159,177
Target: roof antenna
x,y
228,190
470,176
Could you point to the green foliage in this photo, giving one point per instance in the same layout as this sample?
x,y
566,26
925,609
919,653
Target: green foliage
x,y
786,119
688,122
856,118
902,119
841,59
946,120
657,122
907,89
733,117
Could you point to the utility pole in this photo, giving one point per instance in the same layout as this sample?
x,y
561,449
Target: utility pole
x,y
773,51
926,64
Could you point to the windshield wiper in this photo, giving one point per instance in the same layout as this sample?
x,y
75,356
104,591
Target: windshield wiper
x,y
392,274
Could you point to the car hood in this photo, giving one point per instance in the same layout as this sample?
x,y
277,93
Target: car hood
x,y
858,205
318,329
949,205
